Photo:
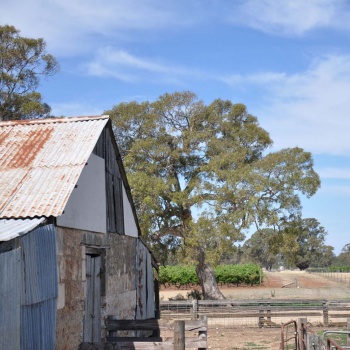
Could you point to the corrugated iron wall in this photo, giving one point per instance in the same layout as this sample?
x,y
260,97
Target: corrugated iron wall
x,y
10,296
39,289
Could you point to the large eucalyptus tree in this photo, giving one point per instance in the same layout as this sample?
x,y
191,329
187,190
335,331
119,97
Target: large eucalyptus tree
x,y
201,175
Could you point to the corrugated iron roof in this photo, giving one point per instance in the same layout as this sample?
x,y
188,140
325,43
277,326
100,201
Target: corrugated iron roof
x,y
12,228
41,161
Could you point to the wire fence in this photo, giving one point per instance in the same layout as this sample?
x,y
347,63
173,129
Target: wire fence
x,y
342,277
258,313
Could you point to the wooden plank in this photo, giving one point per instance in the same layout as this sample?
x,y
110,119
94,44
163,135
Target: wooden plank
x,y
143,346
96,336
255,314
87,334
133,339
339,315
152,324
166,345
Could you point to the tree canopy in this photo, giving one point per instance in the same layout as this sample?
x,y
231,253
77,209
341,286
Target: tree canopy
x,y
343,259
303,244
262,248
201,174
297,243
22,62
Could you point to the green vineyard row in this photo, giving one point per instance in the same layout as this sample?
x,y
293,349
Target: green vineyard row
x,y
185,275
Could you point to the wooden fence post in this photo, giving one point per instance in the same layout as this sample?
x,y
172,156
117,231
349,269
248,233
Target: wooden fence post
x,y
205,333
302,333
348,337
325,314
194,309
261,315
179,335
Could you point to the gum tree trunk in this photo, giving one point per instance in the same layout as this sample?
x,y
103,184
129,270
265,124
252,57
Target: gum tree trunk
x,y
207,279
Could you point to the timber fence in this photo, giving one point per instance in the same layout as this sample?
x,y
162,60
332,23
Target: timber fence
x,y
257,313
148,334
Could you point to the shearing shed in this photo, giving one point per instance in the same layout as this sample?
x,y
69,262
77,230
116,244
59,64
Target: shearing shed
x,y
70,246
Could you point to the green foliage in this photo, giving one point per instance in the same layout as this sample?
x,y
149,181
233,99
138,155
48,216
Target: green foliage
x,y
181,154
303,245
179,275
344,257
185,275
248,274
22,62
262,248
297,243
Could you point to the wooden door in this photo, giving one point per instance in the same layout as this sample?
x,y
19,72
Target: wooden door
x,y
92,321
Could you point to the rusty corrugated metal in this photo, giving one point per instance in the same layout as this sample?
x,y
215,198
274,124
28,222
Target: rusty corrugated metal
x,y
41,161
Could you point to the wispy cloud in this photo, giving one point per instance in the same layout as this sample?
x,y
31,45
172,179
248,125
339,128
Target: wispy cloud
x,y
309,109
79,26
121,65
291,17
335,173
75,26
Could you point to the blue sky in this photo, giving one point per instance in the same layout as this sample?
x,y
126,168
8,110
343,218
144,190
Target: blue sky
x,y
288,61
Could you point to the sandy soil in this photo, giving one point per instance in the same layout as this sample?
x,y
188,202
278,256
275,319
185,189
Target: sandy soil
x,y
280,285
277,285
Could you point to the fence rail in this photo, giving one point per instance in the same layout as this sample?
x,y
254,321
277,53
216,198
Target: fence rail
x,y
153,340
259,313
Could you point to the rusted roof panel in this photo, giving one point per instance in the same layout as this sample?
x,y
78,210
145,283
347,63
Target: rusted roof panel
x,y
41,161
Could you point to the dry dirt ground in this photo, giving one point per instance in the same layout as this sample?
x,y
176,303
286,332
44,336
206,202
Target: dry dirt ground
x,y
276,285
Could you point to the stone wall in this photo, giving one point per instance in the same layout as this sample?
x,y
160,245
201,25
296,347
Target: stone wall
x,y
121,282
118,283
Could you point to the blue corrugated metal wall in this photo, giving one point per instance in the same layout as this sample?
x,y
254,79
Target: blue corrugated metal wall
x,y
39,289
10,296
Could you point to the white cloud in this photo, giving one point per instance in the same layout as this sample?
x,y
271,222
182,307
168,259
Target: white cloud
x,y
124,66
310,109
335,173
291,17
75,26
337,191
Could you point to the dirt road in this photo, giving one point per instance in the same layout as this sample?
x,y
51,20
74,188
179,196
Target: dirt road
x,y
276,285
280,285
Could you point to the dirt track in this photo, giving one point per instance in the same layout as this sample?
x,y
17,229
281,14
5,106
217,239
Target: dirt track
x,y
277,285
281,285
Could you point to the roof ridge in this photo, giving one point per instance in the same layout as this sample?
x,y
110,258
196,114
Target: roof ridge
x,y
52,120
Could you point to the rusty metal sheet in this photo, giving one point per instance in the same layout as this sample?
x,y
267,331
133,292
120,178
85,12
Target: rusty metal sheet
x,y
41,161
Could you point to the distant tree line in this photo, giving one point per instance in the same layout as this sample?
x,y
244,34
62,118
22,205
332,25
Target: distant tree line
x,y
183,156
